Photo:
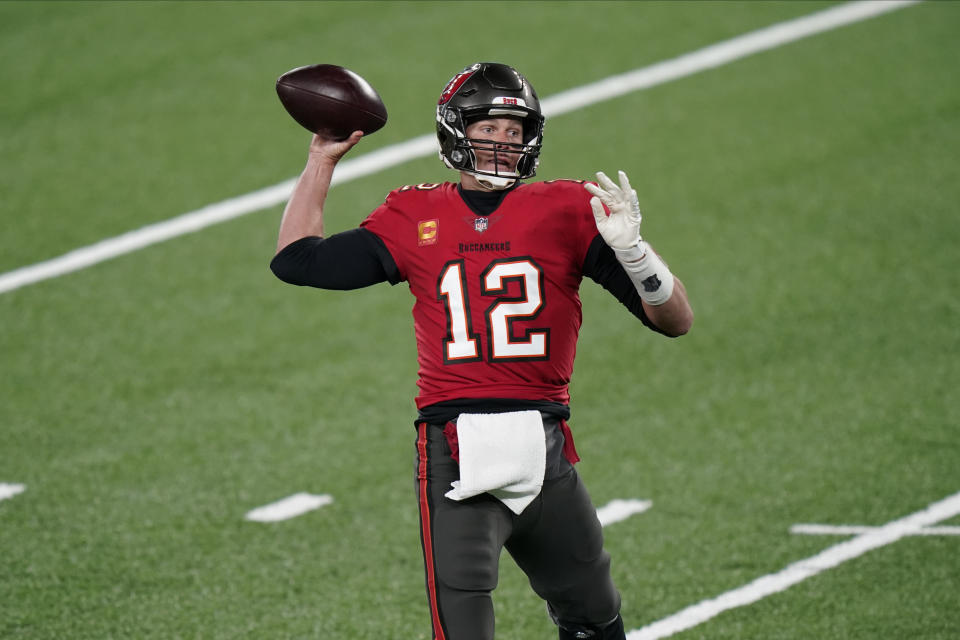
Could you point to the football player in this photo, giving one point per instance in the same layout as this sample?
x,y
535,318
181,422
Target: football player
x,y
494,264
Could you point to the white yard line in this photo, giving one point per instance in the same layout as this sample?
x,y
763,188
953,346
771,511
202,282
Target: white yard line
x,y
301,503
619,510
607,89
854,530
873,538
8,490
719,54
289,507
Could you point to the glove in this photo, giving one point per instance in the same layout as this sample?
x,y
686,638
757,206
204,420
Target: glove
x,y
621,229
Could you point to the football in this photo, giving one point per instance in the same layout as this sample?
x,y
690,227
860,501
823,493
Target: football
x,y
331,100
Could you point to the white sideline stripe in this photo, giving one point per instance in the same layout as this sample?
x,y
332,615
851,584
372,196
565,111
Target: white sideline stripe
x,y
831,557
289,507
619,510
615,86
720,54
853,530
9,490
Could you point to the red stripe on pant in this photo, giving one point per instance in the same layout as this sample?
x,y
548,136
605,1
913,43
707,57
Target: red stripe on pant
x,y
426,531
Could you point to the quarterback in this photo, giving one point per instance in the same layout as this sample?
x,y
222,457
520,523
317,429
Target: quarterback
x,y
495,265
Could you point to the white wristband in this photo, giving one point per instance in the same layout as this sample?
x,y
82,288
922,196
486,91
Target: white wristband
x,y
649,274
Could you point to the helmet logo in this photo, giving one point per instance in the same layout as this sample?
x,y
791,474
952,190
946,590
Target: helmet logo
x,y
456,82
517,102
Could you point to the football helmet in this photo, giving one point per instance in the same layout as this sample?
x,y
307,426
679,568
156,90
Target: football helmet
x,y
489,90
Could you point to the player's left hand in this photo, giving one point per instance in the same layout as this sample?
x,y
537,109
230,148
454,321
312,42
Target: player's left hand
x,y
621,229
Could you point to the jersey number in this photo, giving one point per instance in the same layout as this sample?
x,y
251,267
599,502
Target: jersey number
x,y
462,344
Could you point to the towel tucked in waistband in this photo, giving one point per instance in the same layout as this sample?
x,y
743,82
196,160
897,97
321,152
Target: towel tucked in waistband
x,y
503,454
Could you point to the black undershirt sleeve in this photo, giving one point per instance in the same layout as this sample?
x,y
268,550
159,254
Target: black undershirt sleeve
x,y
347,260
601,266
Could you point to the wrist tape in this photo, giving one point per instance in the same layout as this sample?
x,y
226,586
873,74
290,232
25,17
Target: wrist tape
x,y
650,275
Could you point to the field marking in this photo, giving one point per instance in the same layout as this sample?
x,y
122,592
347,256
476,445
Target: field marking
x,y
8,490
620,510
854,530
872,538
301,503
709,57
289,507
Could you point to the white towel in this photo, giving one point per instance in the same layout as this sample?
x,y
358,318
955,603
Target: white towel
x,y
503,454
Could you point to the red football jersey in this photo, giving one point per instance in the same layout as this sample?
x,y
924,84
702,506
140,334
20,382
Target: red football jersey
x,y
497,311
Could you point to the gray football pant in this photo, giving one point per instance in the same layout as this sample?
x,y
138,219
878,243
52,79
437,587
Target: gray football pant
x,y
557,541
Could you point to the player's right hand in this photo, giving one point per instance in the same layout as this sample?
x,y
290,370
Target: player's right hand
x,y
333,150
621,229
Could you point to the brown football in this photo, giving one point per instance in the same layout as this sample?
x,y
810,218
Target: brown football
x,y
330,100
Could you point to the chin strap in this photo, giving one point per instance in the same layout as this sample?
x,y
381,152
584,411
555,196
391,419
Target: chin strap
x,y
494,183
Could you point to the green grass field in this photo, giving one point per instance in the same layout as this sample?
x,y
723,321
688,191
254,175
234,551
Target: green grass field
x,y
807,196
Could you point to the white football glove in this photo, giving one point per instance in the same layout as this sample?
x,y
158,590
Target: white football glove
x,y
621,229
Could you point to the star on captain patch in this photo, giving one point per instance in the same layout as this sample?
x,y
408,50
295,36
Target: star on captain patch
x,y
481,223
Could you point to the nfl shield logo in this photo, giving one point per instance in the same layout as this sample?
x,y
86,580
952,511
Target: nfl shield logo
x,y
480,224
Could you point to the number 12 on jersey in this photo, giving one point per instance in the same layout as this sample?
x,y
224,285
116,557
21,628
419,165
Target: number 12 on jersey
x,y
462,343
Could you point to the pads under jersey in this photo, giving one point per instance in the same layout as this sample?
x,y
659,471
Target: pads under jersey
x,y
497,311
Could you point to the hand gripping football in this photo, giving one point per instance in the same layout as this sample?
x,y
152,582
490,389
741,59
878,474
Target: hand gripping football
x,y
330,100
